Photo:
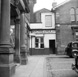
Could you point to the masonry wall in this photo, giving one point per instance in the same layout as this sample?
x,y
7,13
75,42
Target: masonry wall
x,y
0,11
38,14
64,33
31,6
65,36
64,12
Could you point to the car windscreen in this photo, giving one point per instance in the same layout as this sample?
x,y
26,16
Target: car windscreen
x,y
75,45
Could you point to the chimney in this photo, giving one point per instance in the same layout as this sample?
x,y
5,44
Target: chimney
x,y
54,4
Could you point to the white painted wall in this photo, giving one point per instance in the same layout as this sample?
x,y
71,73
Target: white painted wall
x,y
48,37
42,25
43,20
32,42
36,26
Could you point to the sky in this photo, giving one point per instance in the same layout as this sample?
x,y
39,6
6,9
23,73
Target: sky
x,y
45,4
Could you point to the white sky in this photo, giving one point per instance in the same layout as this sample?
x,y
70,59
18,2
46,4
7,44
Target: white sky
x,y
45,4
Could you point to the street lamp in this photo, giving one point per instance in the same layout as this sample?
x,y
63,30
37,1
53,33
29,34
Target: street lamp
x,y
57,36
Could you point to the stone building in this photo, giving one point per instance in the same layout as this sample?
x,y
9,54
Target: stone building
x,y
13,15
43,34
66,22
31,6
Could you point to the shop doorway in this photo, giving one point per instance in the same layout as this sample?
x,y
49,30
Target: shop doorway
x,y
52,46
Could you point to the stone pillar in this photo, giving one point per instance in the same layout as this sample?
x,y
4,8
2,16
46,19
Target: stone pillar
x,y
22,40
17,41
26,38
7,66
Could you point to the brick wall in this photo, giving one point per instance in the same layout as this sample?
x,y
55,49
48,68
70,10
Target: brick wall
x,y
64,11
65,33
64,37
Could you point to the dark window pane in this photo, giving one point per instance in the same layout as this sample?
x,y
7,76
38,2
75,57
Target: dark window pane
x,y
42,40
36,45
42,46
36,40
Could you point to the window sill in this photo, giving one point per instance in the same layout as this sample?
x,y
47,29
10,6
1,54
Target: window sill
x,y
39,48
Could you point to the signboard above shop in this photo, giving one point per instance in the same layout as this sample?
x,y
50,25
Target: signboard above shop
x,y
44,31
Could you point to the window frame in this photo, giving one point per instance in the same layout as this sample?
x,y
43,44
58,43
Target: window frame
x,y
77,14
72,14
39,43
50,21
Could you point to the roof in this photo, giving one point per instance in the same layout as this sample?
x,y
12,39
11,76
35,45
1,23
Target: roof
x,y
43,10
61,4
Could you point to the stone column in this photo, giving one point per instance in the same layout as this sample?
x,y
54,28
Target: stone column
x,y
22,40
7,66
17,41
26,38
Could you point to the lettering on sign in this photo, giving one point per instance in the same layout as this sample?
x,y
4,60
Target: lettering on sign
x,y
43,31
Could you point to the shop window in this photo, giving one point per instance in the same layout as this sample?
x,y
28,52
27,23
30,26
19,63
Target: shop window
x,y
72,14
39,42
77,14
48,20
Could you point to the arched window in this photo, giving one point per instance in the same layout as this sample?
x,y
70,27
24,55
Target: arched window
x,y
57,15
72,14
77,14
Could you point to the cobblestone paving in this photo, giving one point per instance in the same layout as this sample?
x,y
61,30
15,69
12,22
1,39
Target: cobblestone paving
x,y
60,67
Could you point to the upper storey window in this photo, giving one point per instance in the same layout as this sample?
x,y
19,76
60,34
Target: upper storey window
x,y
72,14
48,20
77,14
57,15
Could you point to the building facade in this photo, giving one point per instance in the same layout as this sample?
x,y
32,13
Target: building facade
x,y
13,14
31,6
43,34
66,22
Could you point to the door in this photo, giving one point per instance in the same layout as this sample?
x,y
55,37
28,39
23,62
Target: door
x,y
52,46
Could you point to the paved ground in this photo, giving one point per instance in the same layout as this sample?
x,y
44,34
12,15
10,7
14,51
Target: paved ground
x,y
35,67
47,66
60,66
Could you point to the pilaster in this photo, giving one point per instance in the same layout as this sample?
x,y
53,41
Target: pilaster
x,y
17,41
7,66
23,40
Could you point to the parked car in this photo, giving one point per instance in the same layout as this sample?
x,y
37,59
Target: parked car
x,y
75,55
70,47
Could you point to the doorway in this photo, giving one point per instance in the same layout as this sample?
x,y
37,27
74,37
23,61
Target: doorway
x,y
52,46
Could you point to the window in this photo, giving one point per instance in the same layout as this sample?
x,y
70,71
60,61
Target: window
x,y
57,15
77,14
72,14
48,20
39,42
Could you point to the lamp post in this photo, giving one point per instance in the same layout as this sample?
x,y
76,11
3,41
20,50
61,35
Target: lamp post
x,y
57,37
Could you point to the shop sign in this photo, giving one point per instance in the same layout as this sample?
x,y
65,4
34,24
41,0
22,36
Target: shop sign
x,y
43,31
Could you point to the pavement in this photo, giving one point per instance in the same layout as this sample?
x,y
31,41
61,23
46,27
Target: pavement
x,y
60,66
36,67
46,66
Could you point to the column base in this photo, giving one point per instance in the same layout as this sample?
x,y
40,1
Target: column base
x,y
24,61
7,65
24,58
7,70
16,58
